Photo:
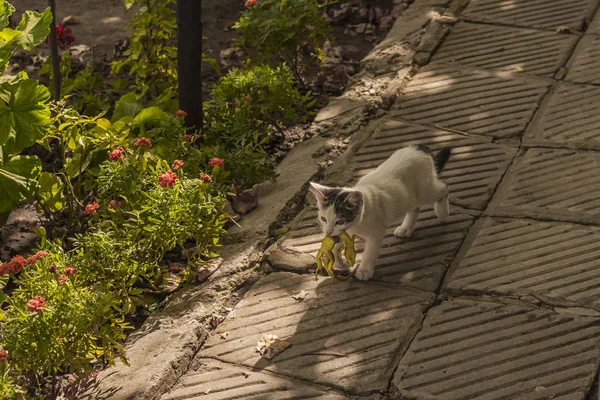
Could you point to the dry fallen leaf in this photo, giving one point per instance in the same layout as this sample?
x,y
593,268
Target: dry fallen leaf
x,y
300,296
271,345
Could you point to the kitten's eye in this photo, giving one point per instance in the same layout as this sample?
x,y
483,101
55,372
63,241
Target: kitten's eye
x,y
340,222
323,219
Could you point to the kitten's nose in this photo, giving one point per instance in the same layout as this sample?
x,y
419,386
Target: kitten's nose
x,y
329,231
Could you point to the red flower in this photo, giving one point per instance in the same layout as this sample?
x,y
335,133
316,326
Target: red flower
x,y
36,304
206,178
52,268
177,164
15,265
114,204
237,104
3,355
40,254
187,138
116,154
167,179
180,113
70,270
91,208
250,3
142,142
62,279
174,268
64,36
216,162
247,98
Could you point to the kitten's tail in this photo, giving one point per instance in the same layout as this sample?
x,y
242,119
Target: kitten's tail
x,y
441,158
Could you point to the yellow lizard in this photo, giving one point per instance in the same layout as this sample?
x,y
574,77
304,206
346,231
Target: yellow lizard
x,y
326,258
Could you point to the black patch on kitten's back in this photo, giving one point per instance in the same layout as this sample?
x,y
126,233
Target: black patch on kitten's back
x,y
424,148
440,159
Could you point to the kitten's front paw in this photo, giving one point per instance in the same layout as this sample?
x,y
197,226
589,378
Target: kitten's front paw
x,y
364,272
403,232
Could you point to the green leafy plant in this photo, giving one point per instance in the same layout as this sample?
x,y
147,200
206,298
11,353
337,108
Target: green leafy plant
x,y
294,31
247,108
151,57
54,324
24,115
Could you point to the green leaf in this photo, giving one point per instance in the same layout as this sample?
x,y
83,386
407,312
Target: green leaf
x,y
150,116
6,10
35,27
50,193
24,116
129,4
127,106
18,181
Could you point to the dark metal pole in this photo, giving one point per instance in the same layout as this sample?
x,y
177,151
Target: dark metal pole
x,y
189,60
54,52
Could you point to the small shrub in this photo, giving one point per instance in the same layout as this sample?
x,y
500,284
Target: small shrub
x,y
248,107
279,29
151,58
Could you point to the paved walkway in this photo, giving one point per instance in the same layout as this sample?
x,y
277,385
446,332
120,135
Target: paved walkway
x,y
502,301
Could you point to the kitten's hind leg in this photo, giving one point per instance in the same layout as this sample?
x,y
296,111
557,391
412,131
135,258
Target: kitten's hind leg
x,y
441,206
408,225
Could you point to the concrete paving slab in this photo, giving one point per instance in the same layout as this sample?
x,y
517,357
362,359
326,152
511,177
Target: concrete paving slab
x,y
553,261
498,105
214,380
584,67
345,335
594,27
568,118
485,351
418,262
473,172
551,184
533,13
502,48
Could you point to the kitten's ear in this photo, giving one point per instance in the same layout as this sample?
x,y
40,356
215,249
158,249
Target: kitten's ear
x,y
318,191
355,198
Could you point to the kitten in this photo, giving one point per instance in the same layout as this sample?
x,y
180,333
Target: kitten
x,y
392,193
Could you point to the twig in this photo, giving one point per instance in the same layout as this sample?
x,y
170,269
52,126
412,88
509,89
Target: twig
x,y
452,130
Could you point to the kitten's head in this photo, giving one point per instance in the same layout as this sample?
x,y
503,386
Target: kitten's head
x,y
339,208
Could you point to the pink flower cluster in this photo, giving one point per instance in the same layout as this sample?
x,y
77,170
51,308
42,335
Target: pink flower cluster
x,y
116,154
16,264
91,208
114,204
36,304
142,142
216,162
167,179
70,270
177,164
205,178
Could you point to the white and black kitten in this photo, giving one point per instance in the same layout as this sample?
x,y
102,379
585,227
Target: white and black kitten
x,y
391,194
